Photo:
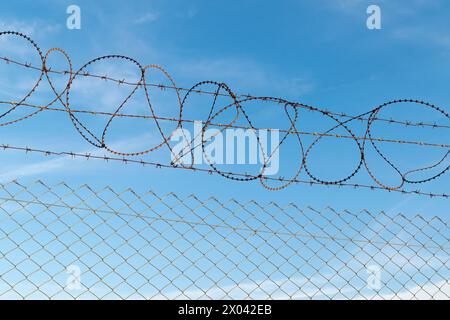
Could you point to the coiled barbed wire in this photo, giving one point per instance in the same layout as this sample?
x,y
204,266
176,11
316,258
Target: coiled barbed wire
x,y
237,105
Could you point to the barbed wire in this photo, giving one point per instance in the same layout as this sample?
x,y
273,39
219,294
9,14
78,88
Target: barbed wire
x,y
243,176
238,107
234,126
163,86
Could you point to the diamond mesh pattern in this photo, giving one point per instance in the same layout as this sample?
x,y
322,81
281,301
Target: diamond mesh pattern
x,y
62,242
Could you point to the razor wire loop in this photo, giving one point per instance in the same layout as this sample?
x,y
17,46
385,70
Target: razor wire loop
x,y
251,127
245,96
290,131
238,104
34,87
217,124
384,157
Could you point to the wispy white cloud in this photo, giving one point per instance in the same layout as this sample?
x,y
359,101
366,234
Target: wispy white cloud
x,y
30,27
287,288
61,163
191,13
347,4
245,75
33,169
147,17
37,29
436,291
422,35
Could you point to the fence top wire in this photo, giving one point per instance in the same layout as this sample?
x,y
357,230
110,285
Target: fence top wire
x,y
129,244
290,111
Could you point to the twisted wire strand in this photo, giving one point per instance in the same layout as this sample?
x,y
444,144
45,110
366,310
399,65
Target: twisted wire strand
x,y
234,126
163,86
238,107
159,165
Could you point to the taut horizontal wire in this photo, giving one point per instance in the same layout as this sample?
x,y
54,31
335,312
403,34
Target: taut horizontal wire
x,y
106,158
290,110
244,96
215,124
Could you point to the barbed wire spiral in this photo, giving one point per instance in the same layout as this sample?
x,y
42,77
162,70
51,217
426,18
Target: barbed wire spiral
x,y
237,106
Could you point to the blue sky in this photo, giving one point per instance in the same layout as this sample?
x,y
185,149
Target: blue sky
x,y
318,53
315,52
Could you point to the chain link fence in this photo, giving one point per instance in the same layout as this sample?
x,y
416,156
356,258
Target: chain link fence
x,y
62,242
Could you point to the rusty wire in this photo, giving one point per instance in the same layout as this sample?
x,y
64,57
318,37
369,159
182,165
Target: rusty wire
x,y
242,176
140,245
163,86
238,106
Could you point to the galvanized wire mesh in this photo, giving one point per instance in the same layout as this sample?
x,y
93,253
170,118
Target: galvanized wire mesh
x,y
64,242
